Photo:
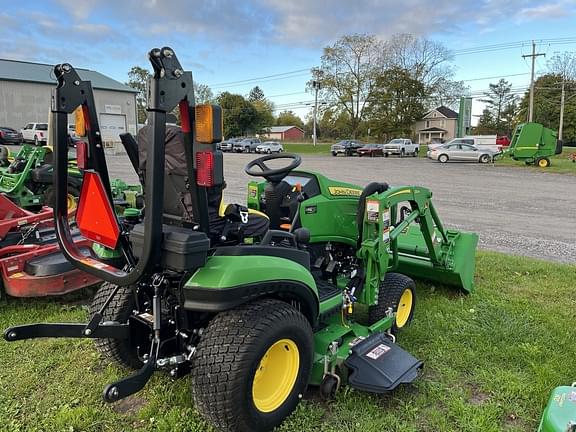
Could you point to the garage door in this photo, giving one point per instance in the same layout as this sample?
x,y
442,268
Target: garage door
x,y
111,126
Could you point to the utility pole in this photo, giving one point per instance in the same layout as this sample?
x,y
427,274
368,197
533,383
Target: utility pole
x,y
316,86
562,100
533,56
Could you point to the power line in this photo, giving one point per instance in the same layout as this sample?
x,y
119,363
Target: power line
x,y
494,77
258,78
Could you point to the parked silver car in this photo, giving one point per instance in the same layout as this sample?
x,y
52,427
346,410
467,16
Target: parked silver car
x,y
461,152
270,147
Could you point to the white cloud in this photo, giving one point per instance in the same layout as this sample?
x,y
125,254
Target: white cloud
x,y
544,11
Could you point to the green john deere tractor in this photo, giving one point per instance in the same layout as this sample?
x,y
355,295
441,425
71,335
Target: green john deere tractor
x,y
315,297
27,178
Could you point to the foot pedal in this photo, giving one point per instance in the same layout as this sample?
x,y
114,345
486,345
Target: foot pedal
x,y
378,365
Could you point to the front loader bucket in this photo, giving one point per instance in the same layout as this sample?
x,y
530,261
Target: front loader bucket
x,y
457,258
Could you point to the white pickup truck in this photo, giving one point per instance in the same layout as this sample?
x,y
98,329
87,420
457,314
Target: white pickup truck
x,y
402,147
36,133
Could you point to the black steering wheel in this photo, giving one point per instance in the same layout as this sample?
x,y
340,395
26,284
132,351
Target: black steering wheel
x,y
272,175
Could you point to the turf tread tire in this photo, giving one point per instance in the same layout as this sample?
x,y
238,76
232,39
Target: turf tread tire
x,y
119,310
389,294
228,355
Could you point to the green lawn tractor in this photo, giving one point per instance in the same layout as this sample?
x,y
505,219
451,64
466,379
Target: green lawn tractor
x,y
27,179
560,412
315,298
534,144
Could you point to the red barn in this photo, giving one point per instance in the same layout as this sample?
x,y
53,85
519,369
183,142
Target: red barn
x,y
282,133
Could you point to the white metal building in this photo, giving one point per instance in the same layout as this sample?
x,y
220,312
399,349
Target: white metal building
x,y
25,92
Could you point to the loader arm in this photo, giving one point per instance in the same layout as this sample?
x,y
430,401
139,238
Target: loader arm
x,y
414,243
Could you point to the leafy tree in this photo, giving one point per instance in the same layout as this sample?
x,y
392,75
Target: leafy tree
x,y
138,79
289,118
348,73
498,100
256,94
332,123
240,116
396,103
203,94
263,106
427,61
547,93
485,123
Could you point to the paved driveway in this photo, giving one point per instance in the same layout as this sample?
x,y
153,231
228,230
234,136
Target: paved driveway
x,y
515,210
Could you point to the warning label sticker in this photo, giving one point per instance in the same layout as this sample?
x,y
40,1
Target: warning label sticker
x,y
378,352
386,235
372,210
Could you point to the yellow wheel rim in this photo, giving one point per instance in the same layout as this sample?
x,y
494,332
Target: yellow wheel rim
x,y
404,308
276,375
543,163
71,202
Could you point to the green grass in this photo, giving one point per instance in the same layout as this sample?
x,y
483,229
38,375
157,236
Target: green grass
x,y
307,148
559,163
491,359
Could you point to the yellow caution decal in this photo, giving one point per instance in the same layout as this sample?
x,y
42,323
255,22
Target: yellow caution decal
x,y
343,191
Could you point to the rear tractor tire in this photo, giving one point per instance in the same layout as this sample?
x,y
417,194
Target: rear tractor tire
x,y
252,366
119,351
398,292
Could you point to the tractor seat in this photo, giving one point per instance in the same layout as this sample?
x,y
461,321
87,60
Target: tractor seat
x,y
177,197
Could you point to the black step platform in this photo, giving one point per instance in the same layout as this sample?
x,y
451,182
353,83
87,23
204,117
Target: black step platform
x,y
326,290
51,264
378,365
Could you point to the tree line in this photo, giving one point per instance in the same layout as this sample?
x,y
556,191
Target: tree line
x,y
243,115
377,88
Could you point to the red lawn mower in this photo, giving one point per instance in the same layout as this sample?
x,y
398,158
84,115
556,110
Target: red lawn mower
x,y
31,264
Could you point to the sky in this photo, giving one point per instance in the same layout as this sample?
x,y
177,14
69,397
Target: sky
x,y
229,43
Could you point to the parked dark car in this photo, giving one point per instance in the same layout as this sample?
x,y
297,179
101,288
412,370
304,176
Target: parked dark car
x,y
228,145
10,136
346,147
371,150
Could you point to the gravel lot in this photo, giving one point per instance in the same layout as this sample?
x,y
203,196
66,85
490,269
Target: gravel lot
x,y
515,210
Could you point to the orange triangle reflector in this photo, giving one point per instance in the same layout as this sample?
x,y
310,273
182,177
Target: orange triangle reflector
x,y
95,217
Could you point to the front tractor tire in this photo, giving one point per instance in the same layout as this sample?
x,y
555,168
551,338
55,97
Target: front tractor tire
x,y
119,351
252,366
398,292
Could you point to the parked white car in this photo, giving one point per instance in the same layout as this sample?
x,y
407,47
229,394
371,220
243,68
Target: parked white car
x,y
401,147
36,133
270,147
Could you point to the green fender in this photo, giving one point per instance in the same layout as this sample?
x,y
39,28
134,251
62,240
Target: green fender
x,y
228,281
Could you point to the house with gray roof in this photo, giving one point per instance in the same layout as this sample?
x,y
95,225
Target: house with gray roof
x,y
437,125
25,93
